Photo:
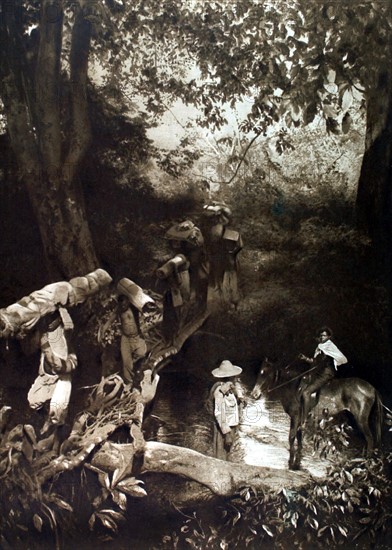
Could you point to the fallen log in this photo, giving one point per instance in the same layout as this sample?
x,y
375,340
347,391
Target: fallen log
x,y
220,477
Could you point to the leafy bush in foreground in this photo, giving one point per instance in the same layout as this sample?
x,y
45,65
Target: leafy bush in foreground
x,y
351,508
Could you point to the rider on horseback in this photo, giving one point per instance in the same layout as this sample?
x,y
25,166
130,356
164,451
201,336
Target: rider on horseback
x,y
327,357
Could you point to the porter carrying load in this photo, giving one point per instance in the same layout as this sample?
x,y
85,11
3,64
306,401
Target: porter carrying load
x,y
186,238
19,318
223,246
134,293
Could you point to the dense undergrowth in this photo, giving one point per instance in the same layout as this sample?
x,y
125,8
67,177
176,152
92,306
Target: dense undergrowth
x,y
352,508
304,265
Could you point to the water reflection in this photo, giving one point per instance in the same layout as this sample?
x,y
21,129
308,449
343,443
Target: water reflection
x,y
263,438
181,416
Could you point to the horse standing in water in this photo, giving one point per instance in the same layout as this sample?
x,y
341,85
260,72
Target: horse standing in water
x,y
357,396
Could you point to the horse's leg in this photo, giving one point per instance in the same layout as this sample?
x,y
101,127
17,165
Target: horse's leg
x,y
291,443
377,414
294,458
364,426
299,447
362,417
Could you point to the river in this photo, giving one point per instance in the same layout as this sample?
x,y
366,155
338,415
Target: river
x,y
180,417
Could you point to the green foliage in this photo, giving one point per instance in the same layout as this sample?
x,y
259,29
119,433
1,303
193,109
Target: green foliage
x,y
318,59
156,51
28,511
351,507
111,504
36,504
175,162
304,262
330,437
293,60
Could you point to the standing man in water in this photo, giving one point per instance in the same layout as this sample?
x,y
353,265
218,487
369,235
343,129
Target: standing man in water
x,y
327,357
226,396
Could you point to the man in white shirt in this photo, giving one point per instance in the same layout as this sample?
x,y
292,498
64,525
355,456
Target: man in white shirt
x,y
227,395
327,357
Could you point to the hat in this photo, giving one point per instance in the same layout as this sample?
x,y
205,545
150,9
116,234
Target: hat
x,y
217,208
185,231
226,369
180,231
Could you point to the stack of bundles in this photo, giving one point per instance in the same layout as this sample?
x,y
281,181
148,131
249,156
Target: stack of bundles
x,y
176,272
83,287
22,316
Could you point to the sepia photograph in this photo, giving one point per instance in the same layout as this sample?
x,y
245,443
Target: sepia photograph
x,y
196,282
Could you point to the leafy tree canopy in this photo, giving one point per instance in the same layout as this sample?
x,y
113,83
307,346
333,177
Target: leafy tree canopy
x,y
294,59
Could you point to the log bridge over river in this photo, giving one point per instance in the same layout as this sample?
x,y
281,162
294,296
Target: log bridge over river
x,y
113,405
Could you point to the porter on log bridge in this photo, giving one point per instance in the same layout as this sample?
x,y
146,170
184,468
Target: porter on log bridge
x,y
22,316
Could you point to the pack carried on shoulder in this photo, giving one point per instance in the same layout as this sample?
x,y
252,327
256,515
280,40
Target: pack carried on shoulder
x,y
134,293
232,240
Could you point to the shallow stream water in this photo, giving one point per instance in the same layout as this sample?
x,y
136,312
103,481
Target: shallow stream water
x,y
180,416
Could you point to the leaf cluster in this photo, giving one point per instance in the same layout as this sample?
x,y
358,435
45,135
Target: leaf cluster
x,y
350,507
29,511
177,161
330,436
293,60
111,504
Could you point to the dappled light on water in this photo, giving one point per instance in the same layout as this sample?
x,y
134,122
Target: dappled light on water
x,y
263,439
181,416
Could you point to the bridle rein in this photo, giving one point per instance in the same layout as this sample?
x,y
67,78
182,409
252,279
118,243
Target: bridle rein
x,y
290,380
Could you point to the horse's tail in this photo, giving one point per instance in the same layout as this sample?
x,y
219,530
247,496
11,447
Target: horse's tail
x,y
377,418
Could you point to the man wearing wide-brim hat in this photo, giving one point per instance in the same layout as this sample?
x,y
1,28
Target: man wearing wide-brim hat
x,y
187,232
226,395
186,238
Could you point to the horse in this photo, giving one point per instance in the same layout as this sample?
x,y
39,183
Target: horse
x,y
357,396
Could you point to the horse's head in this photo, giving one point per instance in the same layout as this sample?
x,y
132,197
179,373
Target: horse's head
x,y
265,378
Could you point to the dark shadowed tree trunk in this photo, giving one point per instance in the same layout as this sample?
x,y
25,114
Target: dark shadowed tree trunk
x,y
47,152
374,205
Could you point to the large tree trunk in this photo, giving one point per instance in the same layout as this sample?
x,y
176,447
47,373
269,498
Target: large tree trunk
x,y
47,161
220,477
65,235
374,205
